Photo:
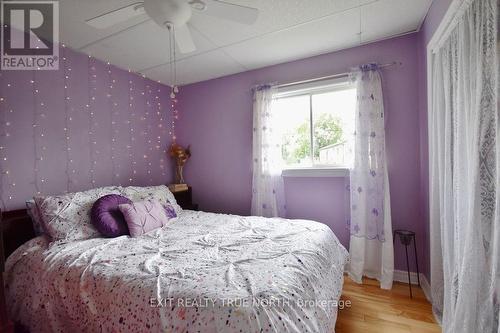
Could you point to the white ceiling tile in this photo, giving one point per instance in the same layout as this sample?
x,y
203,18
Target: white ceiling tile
x,y
321,36
386,18
73,13
200,67
149,38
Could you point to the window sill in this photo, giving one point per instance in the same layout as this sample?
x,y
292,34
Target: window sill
x,y
316,172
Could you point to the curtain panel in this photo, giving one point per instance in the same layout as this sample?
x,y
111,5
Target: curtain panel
x,y
464,169
268,197
371,246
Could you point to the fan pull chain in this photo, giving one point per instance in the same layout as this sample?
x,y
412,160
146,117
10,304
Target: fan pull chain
x,y
175,90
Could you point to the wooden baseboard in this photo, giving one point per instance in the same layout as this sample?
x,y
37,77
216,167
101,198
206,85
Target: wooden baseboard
x,y
426,287
402,276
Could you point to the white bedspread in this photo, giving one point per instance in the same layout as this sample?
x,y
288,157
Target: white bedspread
x,y
202,273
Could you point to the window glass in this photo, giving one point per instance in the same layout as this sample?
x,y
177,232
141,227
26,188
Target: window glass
x,y
333,127
316,127
293,115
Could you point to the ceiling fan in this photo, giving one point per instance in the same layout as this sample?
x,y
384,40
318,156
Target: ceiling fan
x,y
175,14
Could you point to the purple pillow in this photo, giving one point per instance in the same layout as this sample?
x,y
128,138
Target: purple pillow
x,y
107,217
144,216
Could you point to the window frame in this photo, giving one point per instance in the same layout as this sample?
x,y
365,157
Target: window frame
x,y
310,89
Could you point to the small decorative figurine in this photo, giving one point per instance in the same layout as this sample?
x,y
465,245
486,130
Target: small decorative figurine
x,y
180,155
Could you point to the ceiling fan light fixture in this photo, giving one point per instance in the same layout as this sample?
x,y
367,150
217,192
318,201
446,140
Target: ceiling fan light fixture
x,y
175,12
174,15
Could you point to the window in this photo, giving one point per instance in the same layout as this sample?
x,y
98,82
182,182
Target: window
x,y
316,124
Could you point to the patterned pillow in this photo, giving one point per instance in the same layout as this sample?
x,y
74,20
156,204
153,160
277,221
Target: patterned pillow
x,y
170,211
34,214
144,216
160,193
67,216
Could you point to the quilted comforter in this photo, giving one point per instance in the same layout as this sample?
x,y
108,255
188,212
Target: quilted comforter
x,y
203,272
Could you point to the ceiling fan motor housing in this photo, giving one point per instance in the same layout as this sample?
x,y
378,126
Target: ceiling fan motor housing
x,y
168,12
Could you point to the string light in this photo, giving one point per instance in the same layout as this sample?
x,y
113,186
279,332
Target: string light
x,y
131,128
113,130
4,171
67,119
36,132
148,122
175,112
162,131
92,77
148,115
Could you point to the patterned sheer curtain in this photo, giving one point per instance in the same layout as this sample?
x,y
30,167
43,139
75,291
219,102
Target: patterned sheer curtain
x,y
464,166
371,247
267,186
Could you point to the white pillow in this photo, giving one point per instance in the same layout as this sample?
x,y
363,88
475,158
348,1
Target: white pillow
x,y
160,193
36,220
67,216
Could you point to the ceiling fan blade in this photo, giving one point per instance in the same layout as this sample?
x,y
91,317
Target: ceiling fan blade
x,y
229,11
184,39
116,16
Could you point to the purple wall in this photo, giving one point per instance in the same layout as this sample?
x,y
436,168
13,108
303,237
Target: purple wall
x,y
122,135
216,119
126,143
431,23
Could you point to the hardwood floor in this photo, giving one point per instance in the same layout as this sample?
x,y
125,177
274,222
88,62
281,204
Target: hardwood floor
x,y
374,310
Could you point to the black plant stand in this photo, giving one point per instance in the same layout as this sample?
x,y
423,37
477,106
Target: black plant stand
x,y
406,236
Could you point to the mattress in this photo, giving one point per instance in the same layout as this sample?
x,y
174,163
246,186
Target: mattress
x,y
202,272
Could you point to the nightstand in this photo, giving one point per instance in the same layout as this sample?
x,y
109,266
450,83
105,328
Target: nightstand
x,y
185,199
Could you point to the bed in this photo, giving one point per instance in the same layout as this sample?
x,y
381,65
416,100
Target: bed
x,y
203,272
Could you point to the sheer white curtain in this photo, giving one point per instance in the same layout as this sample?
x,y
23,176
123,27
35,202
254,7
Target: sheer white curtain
x,y
267,186
464,164
371,247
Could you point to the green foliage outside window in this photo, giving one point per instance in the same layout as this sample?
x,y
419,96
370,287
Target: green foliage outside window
x,y
297,143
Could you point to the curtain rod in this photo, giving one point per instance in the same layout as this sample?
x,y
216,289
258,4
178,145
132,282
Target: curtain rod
x,y
334,76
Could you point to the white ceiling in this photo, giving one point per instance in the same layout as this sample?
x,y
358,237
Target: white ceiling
x,y
285,30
